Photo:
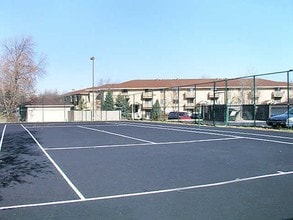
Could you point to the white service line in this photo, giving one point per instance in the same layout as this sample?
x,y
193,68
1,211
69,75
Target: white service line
x,y
120,135
97,146
221,133
141,144
63,126
73,187
246,133
238,180
182,129
268,140
2,137
51,126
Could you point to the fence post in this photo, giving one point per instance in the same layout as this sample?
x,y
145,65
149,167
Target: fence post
x,y
152,97
288,96
43,110
214,104
178,106
164,104
64,108
254,99
226,103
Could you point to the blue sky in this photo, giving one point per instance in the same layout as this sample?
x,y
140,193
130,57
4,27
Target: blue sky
x,y
145,39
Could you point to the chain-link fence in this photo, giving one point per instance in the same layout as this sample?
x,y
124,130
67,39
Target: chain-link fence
x,y
245,101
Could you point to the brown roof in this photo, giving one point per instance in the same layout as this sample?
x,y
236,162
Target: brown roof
x,y
258,81
48,100
169,83
77,92
154,83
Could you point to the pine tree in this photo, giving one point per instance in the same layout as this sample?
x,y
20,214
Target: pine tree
x,y
156,111
123,105
108,104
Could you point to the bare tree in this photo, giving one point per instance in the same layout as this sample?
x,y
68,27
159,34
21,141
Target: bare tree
x,y
104,81
18,72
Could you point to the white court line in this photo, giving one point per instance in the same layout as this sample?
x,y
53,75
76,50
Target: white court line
x,y
170,128
97,146
73,187
120,135
209,185
218,131
141,144
268,140
51,126
221,133
2,137
67,126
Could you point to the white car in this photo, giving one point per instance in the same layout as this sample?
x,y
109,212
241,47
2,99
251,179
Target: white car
x,y
289,122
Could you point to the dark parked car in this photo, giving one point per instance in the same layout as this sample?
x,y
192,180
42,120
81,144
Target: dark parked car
x,y
196,116
281,120
178,115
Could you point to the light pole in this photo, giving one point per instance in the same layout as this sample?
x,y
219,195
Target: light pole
x,y
93,75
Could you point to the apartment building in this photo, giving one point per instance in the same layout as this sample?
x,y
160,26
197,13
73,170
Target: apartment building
x,y
182,94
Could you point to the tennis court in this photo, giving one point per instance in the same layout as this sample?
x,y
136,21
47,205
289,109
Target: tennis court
x,y
136,170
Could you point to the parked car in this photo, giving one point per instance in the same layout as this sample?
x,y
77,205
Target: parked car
x,y
289,122
281,120
178,115
196,116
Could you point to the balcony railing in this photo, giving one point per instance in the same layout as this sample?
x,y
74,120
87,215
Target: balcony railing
x,y
189,106
212,95
277,94
147,95
147,106
189,95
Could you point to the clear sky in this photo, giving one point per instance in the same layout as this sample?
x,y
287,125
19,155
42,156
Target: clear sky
x,y
145,39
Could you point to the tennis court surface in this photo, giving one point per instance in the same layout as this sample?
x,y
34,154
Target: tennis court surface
x,y
128,170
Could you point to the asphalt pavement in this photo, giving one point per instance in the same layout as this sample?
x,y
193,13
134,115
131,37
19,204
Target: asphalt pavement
x,y
127,170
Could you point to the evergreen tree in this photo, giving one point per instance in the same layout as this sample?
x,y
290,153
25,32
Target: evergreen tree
x,y
123,105
108,104
156,111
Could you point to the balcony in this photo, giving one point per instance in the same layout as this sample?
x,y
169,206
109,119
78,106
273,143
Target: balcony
x,y
147,95
277,94
189,106
147,106
212,95
189,95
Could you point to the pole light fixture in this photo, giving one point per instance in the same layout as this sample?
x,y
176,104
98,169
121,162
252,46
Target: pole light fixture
x,y
93,86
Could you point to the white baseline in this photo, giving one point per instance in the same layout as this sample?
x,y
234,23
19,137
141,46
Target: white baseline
x,y
238,180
